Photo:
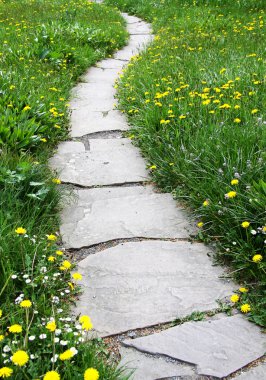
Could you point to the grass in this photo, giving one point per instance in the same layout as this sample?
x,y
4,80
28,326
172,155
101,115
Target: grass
x,y
195,101
45,47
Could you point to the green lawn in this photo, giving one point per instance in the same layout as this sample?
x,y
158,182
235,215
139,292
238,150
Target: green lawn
x,y
45,46
196,102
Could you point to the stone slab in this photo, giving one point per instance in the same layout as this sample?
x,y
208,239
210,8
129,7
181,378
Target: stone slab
x,y
136,43
96,96
110,162
140,27
256,373
104,214
131,19
99,75
71,147
217,347
150,367
111,63
84,121
139,284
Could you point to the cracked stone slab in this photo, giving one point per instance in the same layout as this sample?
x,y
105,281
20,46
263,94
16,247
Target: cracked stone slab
x,y
111,63
84,121
104,214
111,162
70,147
96,96
217,347
139,284
256,373
99,75
150,367
139,28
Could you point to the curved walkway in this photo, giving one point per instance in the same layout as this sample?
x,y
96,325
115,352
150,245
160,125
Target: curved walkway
x,y
145,270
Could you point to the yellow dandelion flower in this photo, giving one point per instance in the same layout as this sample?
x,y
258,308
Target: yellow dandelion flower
x,y
71,285
2,337
245,308
87,325
257,258
234,298
1,313
200,224
231,194
91,374
234,182
57,181
25,304
254,111
51,237
153,167
223,70
59,253
6,372
20,231
20,358
51,375
237,120
243,290
181,117
225,106
44,140
26,108
245,224
77,276
51,326
15,329
68,354
51,259
206,203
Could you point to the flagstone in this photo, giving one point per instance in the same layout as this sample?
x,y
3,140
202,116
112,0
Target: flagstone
x,y
139,284
217,347
85,121
103,214
110,162
150,367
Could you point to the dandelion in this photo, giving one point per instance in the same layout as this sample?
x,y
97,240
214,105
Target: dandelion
x,y
234,182
223,70
153,167
237,120
91,374
243,290
51,375
26,108
254,111
20,231
25,304
87,325
245,308
234,298
44,140
15,329
230,194
200,224
51,259
51,326
51,237
59,253
57,181
68,354
245,224
20,358
2,337
77,276
206,203
65,265
257,258
6,372
1,313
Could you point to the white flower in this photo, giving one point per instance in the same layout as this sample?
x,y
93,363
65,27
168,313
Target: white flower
x,y
78,327
56,340
6,349
14,276
253,232
32,337
59,311
54,359
43,270
74,350
25,276
69,329
55,299
28,281
32,356
67,291
58,332
63,342
43,336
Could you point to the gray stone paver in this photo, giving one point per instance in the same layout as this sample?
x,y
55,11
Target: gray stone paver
x,y
148,367
104,214
139,284
136,288
256,373
116,161
217,347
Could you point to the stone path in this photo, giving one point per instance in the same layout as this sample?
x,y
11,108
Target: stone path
x,y
157,275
